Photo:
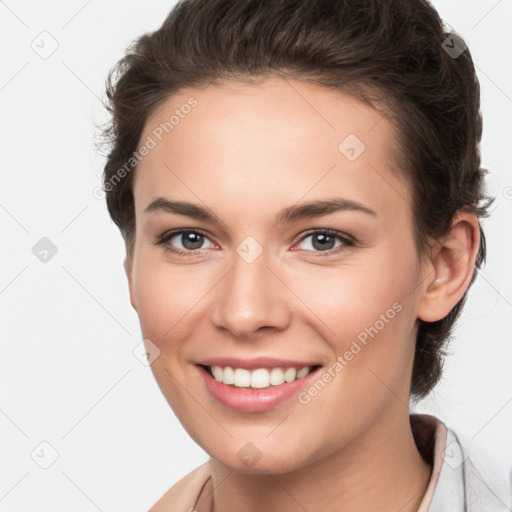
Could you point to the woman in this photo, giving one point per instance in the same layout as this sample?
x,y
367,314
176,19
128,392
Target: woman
x,y
299,188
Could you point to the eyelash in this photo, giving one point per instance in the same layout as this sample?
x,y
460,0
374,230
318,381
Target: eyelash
x,y
347,242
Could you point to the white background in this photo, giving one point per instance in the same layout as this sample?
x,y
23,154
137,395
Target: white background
x,y
68,373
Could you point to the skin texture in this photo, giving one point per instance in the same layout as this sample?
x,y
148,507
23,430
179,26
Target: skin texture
x,y
246,152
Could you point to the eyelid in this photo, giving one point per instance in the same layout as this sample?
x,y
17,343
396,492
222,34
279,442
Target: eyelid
x,y
331,232
166,236
178,231
347,241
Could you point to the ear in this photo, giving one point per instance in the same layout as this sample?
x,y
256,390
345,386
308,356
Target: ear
x,y
450,268
128,268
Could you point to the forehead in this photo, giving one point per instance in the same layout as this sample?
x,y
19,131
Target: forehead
x,y
281,138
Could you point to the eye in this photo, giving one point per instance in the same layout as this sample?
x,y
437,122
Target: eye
x,y
191,240
324,241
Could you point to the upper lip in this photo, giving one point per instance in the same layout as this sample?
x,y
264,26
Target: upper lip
x,y
257,362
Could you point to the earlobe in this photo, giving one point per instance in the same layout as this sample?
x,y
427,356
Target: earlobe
x,y
128,268
451,268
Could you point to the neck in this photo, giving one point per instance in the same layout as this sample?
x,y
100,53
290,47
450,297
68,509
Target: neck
x,y
381,470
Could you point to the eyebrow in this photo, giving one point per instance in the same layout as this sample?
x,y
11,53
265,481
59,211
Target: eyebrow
x,y
305,210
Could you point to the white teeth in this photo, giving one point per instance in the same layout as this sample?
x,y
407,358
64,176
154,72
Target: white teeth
x,y
228,375
276,376
290,374
259,378
217,373
302,372
242,378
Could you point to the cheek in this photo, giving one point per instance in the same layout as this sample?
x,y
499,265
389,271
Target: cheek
x,y
351,298
166,295
167,299
370,326
366,313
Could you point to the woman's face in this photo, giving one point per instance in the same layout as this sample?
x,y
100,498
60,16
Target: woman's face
x,y
259,284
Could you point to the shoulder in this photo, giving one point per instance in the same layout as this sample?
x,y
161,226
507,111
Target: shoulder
x,y
488,483
464,477
183,495
470,475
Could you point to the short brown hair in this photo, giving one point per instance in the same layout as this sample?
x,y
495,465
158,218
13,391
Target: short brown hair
x,y
392,53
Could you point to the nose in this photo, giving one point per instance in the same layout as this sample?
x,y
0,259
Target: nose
x,y
251,298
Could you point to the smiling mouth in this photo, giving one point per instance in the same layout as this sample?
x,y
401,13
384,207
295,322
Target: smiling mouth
x,y
259,378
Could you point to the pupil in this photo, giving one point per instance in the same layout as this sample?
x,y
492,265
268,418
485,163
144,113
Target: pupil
x,y
320,241
189,243
325,241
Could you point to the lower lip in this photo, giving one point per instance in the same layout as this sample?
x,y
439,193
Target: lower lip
x,y
253,399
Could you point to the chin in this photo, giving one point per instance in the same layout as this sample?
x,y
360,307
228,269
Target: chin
x,y
251,460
